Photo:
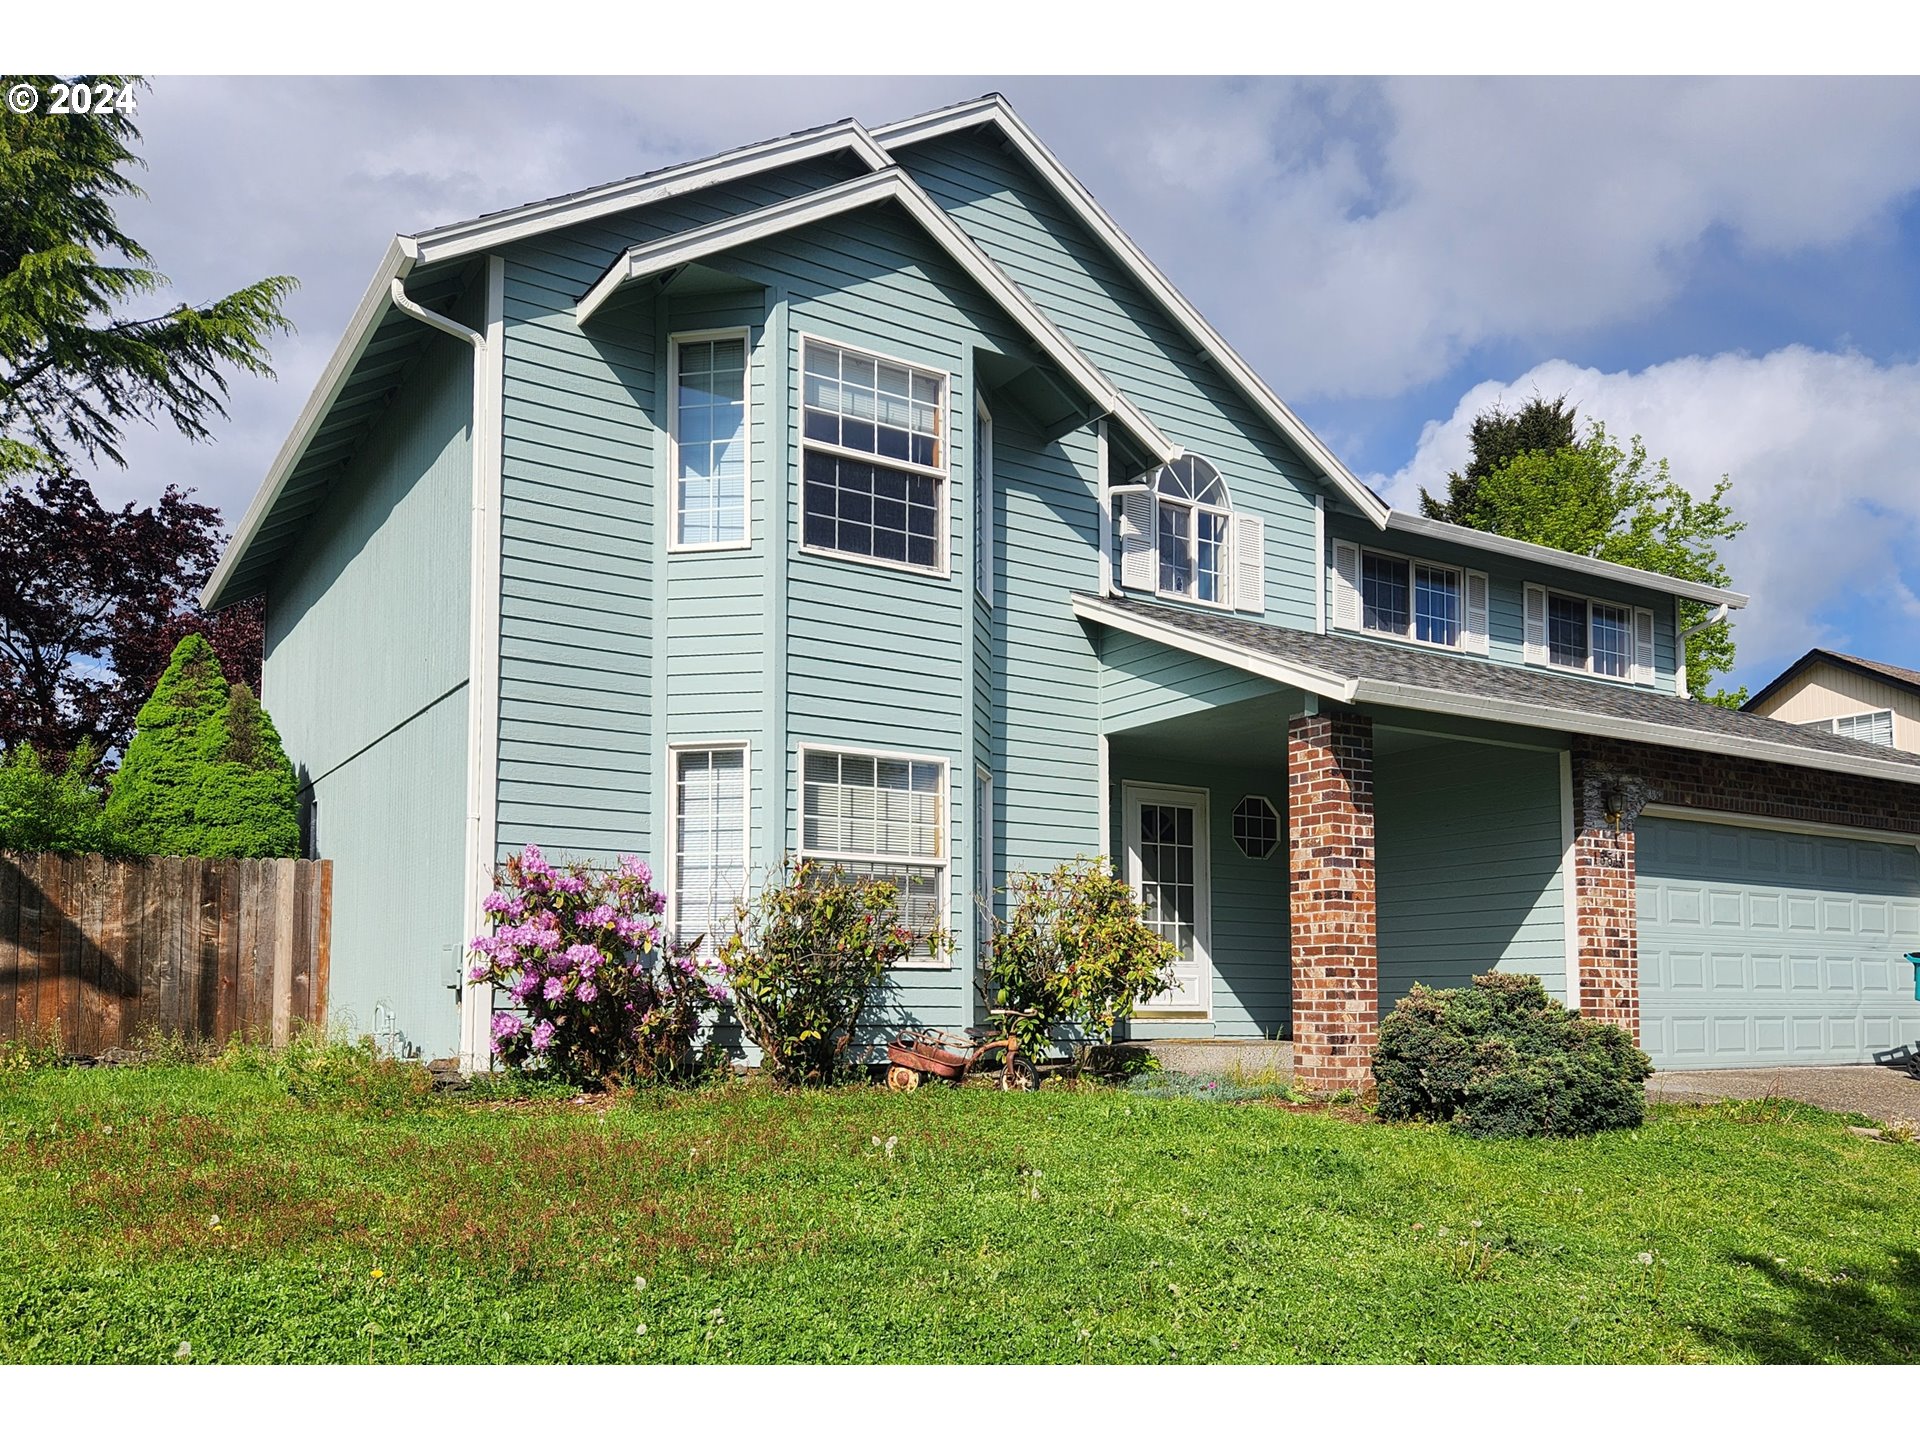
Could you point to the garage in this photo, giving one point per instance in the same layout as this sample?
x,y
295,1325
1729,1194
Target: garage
x,y
1770,947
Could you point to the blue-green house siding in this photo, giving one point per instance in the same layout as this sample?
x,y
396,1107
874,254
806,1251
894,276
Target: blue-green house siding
x,y
366,678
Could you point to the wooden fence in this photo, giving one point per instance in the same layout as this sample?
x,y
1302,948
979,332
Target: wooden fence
x,y
114,949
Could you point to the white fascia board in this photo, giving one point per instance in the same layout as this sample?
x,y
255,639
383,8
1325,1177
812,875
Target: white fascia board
x,y
398,262
1546,555
1323,683
1581,722
449,242
995,109
895,184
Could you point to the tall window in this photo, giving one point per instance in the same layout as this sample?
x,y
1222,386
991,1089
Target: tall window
x,y
875,452
709,838
982,863
710,440
880,815
1191,527
1409,599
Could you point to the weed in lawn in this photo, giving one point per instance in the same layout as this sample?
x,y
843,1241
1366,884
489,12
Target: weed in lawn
x,y
26,1054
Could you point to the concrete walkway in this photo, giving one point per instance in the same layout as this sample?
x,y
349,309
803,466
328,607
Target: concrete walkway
x,y
1889,1096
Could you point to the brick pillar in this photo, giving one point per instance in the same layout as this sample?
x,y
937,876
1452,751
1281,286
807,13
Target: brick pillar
x,y
1336,971
1606,908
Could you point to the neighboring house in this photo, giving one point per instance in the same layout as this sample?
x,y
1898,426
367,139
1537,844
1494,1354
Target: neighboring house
x,y
869,495
1845,695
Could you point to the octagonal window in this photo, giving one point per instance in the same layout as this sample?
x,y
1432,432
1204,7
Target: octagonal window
x,y
1256,827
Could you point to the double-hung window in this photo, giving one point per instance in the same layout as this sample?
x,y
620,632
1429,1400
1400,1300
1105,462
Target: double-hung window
x,y
708,411
1594,637
881,815
709,838
874,464
1408,599
1180,537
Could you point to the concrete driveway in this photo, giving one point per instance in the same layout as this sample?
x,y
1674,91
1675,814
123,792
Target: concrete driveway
x,y
1889,1096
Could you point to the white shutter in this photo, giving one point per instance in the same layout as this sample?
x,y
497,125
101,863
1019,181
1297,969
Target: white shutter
x,y
1536,625
1346,585
1473,635
1250,564
1643,647
1133,509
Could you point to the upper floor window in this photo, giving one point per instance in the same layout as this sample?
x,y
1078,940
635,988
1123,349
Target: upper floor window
x,y
873,473
1873,726
1595,637
709,440
1408,599
1180,537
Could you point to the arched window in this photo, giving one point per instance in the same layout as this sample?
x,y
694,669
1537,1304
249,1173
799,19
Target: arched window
x,y
1193,516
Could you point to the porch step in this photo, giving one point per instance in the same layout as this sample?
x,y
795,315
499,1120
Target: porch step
x,y
1244,1059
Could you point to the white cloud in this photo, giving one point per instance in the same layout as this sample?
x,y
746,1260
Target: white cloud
x,y
1824,453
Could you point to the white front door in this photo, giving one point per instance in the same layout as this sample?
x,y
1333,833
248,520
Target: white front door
x,y
1167,867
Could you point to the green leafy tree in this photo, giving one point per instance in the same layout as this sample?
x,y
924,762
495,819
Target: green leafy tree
x,y
1074,957
205,773
47,809
1497,439
1591,497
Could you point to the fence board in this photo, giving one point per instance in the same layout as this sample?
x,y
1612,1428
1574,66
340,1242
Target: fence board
x,y
110,949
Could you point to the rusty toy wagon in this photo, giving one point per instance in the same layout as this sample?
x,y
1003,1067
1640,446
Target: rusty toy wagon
x,y
954,1055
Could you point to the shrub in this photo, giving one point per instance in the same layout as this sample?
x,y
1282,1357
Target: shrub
x,y
204,773
1502,1058
41,808
805,955
334,1074
578,951
1077,953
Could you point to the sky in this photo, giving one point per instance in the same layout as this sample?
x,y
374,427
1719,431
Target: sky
x,y
1729,268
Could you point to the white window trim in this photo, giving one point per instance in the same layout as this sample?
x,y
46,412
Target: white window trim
x,y
943,540
983,503
675,545
1587,670
1195,507
944,864
671,889
1409,637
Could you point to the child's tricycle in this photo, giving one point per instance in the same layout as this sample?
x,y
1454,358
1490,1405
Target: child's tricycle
x,y
954,1055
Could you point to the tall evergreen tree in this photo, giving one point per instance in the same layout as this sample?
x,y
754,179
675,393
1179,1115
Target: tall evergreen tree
x,y
204,773
1497,439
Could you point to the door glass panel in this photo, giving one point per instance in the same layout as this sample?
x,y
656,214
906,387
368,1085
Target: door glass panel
x,y
1167,866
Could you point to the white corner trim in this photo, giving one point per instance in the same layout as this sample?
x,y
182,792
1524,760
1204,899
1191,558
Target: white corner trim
x,y
449,242
1321,565
483,656
995,110
1569,892
367,315
1547,556
894,184
1296,677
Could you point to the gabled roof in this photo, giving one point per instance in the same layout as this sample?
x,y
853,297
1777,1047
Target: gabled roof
x,y
994,110
891,184
1350,670
1895,675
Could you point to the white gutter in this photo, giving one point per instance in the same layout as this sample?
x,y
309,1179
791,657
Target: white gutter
x,y
1680,647
483,635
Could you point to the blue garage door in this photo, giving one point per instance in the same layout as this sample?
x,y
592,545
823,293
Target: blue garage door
x,y
1764,948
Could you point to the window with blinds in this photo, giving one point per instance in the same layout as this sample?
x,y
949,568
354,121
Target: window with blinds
x,y
883,816
709,434
709,839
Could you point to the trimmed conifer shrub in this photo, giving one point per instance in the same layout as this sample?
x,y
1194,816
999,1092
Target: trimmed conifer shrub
x,y
204,773
1502,1057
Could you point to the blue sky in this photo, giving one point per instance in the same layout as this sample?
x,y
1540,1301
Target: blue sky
x,y
1730,267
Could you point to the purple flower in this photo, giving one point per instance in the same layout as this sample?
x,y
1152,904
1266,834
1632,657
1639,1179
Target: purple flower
x,y
506,1025
571,885
634,868
585,958
496,904
478,970
555,988
587,993
598,918
523,987
543,1035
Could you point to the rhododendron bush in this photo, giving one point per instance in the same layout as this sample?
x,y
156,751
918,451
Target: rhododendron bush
x,y
598,996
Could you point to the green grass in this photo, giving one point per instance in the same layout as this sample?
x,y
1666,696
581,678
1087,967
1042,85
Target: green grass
x,y
362,1220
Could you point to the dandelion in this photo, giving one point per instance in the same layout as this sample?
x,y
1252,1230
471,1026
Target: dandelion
x,y
893,1140
185,1352
639,1282
213,1222
1476,1224
1418,1226
378,1273
1645,1257
641,1328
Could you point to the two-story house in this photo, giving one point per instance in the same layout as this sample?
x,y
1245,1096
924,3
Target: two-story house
x,y
868,495
1862,699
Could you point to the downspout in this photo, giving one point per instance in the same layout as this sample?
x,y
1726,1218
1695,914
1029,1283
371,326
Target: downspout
x,y
482,647
1680,646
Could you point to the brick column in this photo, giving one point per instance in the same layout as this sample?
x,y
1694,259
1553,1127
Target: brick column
x,y
1336,972
1606,909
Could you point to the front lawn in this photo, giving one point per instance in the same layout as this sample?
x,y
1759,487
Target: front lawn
x,y
736,1224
